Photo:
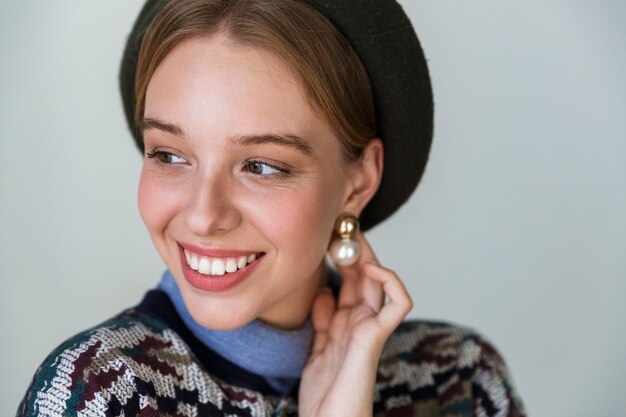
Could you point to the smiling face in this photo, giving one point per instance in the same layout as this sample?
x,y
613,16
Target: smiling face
x,y
238,166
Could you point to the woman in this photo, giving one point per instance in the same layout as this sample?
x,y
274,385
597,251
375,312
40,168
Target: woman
x,y
264,126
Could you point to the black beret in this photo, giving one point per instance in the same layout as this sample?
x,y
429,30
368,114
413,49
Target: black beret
x,y
383,38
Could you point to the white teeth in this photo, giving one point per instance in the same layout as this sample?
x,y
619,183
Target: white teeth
x,y
231,265
193,262
204,266
217,267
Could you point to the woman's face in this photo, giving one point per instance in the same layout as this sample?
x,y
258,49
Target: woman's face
x,y
239,166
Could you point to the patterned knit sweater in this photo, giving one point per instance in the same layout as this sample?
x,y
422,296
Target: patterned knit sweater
x,y
145,362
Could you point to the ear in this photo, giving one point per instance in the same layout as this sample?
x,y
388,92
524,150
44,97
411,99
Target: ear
x,y
365,176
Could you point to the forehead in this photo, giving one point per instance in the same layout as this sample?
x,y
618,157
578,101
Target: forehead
x,y
219,86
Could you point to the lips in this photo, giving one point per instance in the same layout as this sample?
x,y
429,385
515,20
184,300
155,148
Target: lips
x,y
217,269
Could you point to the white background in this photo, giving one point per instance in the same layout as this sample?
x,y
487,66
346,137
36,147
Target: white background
x,y
518,228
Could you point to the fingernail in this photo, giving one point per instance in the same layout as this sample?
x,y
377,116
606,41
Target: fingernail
x,y
372,261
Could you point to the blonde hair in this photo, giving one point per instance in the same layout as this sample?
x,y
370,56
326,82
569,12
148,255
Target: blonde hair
x,y
322,59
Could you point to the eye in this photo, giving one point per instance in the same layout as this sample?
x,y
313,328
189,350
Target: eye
x,y
262,168
166,158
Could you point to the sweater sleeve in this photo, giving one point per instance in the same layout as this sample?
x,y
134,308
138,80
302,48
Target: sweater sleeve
x,y
433,369
92,373
59,385
493,391
81,377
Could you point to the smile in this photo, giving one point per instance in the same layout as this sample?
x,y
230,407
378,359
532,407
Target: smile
x,y
217,266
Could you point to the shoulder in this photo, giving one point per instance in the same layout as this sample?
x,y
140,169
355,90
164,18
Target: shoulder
x,y
433,368
111,368
76,370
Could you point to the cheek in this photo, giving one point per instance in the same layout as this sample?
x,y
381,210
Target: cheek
x,y
156,202
299,221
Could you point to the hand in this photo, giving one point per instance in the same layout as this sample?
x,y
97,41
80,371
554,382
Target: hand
x,y
339,378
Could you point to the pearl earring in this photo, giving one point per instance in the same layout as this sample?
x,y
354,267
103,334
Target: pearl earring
x,y
345,251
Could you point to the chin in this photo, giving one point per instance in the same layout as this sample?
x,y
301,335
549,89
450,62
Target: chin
x,y
223,322
216,314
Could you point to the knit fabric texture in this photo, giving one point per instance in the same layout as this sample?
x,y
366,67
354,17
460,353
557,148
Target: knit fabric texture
x,y
143,362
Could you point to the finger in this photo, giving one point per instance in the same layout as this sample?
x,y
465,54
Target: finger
x,y
321,316
372,292
367,253
348,292
323,310
363,290
399,303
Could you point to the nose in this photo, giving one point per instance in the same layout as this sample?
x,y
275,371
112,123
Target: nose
x,y
210,209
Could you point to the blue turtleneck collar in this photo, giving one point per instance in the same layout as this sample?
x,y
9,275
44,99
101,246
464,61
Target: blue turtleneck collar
x,y
277,355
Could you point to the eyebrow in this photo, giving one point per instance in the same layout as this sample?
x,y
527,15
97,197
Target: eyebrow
x,y
149,123
289,140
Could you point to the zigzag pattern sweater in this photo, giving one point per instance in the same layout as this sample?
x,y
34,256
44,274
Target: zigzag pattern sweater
x,y
145,362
